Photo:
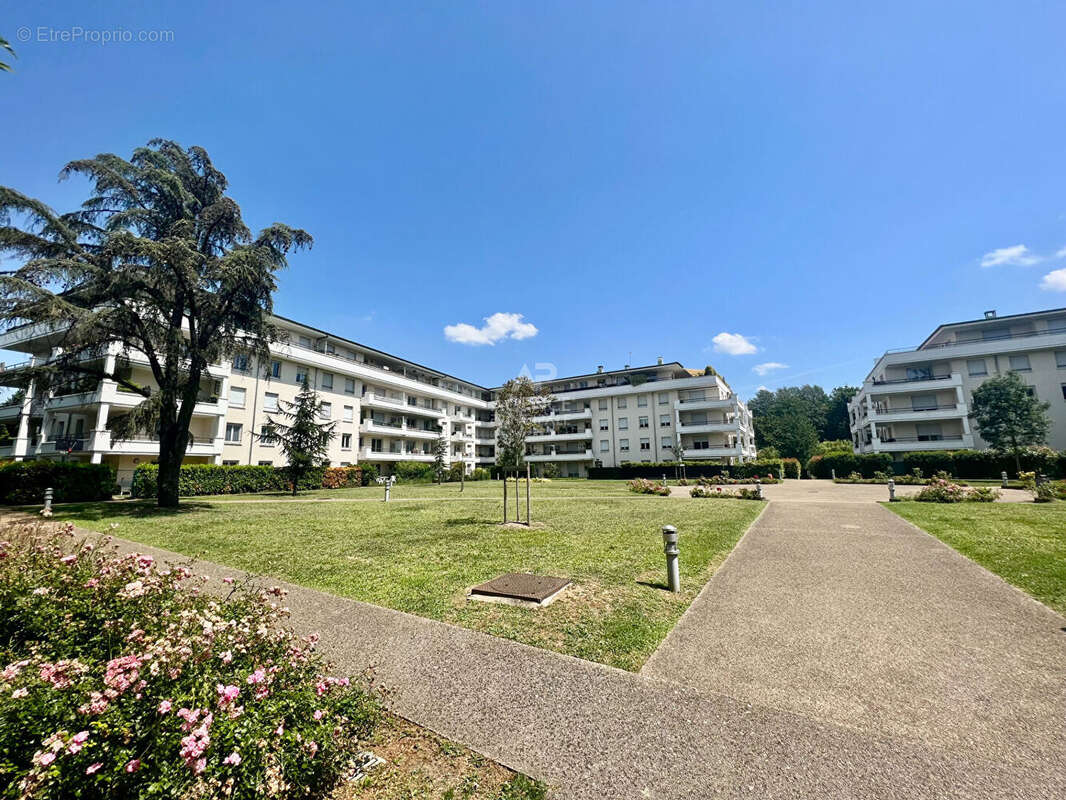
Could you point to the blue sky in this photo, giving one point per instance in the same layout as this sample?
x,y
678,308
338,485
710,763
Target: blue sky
x,y
633,179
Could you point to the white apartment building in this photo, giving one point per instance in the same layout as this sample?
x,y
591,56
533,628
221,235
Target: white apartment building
x,y
919,399
386,409
640,415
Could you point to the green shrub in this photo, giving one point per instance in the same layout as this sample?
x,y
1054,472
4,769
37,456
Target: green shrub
x,y
455,472
203,479
942,491
644,486
480,474
930,461
845,463
792,467
550,470
24,482
414,471
745,493
122,680
370,474
342,477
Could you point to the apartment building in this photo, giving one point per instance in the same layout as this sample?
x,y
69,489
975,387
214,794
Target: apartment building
x,y
640,414
385,409
919,399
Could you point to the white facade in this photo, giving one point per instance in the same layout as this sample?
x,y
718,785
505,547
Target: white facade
x,y
386,410
640,415
920,399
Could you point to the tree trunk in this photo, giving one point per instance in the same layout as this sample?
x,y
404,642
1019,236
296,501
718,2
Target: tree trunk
x,y
504,498
170,459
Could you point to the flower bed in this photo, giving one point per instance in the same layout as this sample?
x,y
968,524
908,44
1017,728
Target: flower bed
x,y
718,491
725,480
644,486
941,491
123,680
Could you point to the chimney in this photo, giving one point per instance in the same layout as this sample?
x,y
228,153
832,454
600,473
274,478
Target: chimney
x,y
990,314
660,361
626,366
599,368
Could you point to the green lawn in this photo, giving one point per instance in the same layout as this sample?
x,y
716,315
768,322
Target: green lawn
x,y
421,555
1023,543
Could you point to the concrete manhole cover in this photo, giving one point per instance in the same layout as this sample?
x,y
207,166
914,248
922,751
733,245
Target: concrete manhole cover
x,y
520,588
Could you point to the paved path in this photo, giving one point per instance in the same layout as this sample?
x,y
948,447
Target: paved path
x,y
596,732
827,491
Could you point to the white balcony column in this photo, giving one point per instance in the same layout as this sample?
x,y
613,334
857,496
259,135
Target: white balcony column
x,y
22,440
101,438
965,427
959,398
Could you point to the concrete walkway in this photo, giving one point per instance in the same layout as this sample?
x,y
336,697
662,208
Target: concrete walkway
x,y
828,492
717,732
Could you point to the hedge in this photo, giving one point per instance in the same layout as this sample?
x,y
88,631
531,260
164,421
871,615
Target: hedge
x,y
792,467
24,482
846,463
693,469
202,479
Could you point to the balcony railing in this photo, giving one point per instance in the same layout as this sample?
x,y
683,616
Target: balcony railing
x,y
914,409
932,437
886,381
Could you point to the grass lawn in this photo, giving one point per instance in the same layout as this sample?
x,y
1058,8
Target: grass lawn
x,y
422,555
1023,543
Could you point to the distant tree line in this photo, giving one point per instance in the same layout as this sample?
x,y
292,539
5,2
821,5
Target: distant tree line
x,y
794,419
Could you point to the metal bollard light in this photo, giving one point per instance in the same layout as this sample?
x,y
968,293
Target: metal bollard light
x,y
673,576
48,500
758,488
1003,478
833,474
664,479
891,491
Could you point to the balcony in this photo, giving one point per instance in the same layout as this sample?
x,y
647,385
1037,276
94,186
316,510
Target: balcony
x,y
904,414
913,385
584,435
366,454
487,441
905,444
585,455
705,453
400,405
562,416
708,427
706,403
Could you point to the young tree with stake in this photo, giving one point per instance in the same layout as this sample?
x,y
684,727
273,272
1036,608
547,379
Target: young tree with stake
x,y
517,403
1009,416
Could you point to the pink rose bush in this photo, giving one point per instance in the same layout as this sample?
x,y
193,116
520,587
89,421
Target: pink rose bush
x,y
644,486
124,677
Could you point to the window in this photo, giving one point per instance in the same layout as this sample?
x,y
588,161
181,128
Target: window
x,y
623,423
229,463
1020,363
346,441
233,432
642,421
664,420
919,373
270,401
701,444
1060,358
266,463
301,374
349,414
620,402
929,432
375,445
349,385
603,425
604,445
664,398
275,369
667,443
976,367
603,404
642,401
623,445
327,380
923,402
1064,391
645,444
236,396
325,410
1031,391
240,362
305,341
265,437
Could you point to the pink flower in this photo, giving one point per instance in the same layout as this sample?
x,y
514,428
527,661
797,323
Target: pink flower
x,y
77,740
226,657
89,770
257,677
319,713
165,707
230,580
41,590
19,693
133,765
46,759
68,560
226,694
233,759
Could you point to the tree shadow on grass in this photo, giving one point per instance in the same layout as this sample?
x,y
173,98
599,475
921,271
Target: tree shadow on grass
x,y
125,509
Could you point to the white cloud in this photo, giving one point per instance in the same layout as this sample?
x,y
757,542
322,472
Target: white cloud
x,y
499,326
1015,256
733,344
1054,281
767,367
1061,253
